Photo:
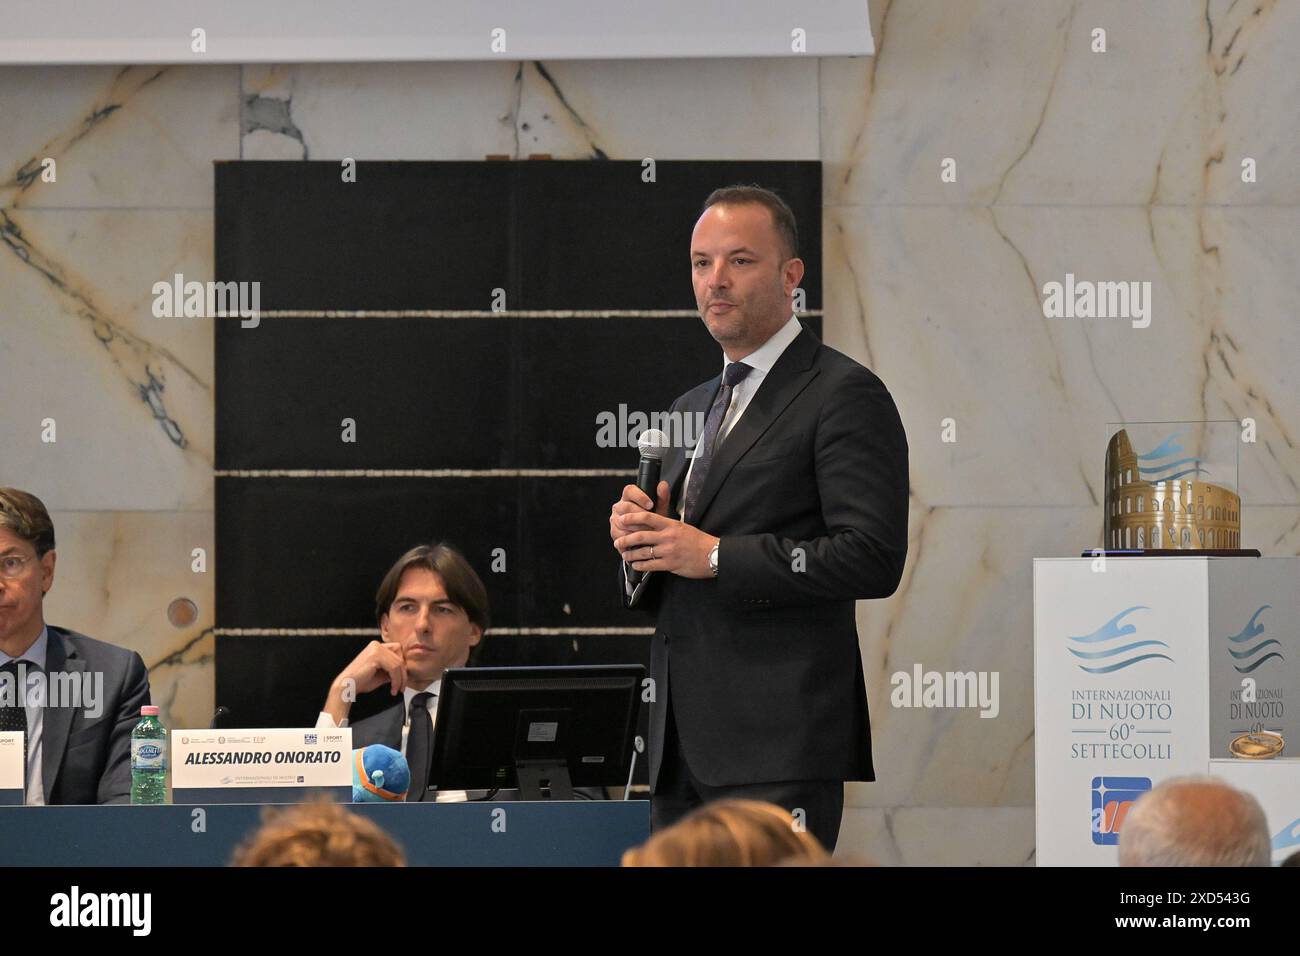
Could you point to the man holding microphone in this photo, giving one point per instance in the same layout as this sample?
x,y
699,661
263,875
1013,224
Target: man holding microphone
x,y
791,507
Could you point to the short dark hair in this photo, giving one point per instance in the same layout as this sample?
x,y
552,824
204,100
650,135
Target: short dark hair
x,y
463,585
24,514
787,230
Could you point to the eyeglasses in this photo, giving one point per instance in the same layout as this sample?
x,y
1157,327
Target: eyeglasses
x,y
13,565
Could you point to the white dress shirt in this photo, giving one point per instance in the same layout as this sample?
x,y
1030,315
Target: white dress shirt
x,y
760,361
326,722
34,656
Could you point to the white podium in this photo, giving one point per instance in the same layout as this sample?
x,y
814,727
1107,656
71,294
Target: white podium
x,y
1276,785
1146,668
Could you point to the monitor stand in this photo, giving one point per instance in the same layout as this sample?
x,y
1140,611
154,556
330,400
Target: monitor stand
x,y
534,775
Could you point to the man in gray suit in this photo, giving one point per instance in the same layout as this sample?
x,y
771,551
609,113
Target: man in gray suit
x,y
75,699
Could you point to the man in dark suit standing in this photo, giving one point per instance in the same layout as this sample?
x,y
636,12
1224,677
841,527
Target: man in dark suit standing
x,y
791,507
75,699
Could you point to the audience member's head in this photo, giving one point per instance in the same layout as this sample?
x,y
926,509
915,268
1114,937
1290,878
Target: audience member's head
x,y
318,834
27,558
826,862
1195,821
728,833
433,604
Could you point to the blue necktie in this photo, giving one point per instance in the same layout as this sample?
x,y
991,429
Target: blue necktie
x,y
731,376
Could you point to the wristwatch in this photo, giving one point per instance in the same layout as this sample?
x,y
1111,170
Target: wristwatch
x,y
713,560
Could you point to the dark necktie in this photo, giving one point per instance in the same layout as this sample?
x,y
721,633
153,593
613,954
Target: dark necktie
x,y
419,746
731,375
13,715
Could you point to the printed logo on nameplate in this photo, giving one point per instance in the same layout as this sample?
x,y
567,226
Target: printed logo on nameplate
x,y
270,757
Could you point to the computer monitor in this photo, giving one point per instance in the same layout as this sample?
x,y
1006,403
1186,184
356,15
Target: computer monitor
x,y
535,728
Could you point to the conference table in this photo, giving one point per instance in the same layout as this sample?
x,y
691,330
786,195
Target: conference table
x,y
514,833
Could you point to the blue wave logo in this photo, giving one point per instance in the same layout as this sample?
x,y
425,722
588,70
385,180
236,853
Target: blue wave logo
x,y
1252,630
1116,656
1288,837
1164,460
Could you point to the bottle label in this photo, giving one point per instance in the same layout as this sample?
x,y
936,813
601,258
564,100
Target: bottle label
x,y
148,755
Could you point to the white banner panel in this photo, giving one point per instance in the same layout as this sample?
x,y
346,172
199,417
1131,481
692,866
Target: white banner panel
x,y
1144,668
1120,694
294,31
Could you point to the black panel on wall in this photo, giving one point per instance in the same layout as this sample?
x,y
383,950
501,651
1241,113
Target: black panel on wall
x,y
453,392
594,236
279,681
422,392
309,552
443,235
486,392
403,236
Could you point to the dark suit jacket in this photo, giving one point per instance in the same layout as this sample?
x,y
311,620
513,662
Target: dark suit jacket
x,y
85,759
384,728
808,494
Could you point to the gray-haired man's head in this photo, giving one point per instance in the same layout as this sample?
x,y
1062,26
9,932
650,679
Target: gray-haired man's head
x,y
1195,821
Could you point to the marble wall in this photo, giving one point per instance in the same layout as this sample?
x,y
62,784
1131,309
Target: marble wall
x,y
1123,165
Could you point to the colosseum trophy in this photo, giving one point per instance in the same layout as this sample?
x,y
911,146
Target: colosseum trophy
x,y
1171,488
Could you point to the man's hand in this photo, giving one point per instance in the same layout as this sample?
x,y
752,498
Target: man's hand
x,y
635,500
655,542
378,663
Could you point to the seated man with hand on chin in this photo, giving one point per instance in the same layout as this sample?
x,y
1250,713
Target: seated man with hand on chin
x,y
432,609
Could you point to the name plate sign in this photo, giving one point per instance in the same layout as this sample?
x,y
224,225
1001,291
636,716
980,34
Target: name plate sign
x,y
13,772
269,765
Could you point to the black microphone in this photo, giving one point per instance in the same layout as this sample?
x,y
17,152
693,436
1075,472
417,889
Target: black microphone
x,y
218,716
652,445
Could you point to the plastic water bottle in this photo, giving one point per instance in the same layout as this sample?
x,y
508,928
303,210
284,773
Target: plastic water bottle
x,y
149,759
